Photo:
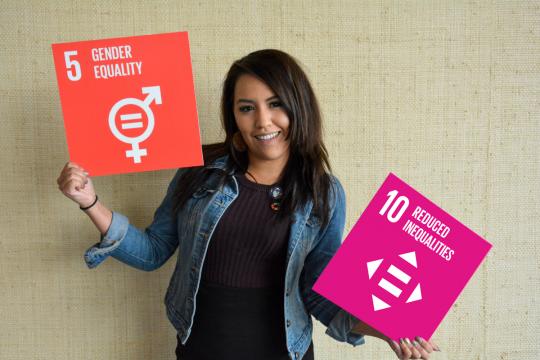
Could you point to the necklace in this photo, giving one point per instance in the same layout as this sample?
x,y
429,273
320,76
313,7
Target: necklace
x,y
275,192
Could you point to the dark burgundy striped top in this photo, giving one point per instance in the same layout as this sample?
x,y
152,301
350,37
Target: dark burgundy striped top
x,y
249,245
239,313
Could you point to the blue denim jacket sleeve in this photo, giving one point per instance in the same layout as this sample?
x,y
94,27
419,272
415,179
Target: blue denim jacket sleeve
x,y
145,250
339,323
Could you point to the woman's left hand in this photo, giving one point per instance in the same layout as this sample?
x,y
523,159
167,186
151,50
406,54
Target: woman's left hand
x,y
419,348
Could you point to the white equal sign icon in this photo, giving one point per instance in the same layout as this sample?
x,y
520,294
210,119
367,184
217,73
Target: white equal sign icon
x,y
131,125
399,274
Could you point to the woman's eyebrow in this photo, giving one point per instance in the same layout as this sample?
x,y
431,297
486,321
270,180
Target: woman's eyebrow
x,y
253,101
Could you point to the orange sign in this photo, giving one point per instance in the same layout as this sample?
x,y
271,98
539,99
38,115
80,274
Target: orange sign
x,y
129,103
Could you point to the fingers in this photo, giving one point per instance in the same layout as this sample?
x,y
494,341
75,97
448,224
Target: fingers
x,y
405,349
73,182
71,164
424,344
421,351
433,345
73,177
73,167
417,349
397,349
412,350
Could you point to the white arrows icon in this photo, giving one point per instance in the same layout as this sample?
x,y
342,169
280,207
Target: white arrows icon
x,y
154,95
397,273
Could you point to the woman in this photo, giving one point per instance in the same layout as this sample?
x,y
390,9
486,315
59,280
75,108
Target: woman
x,y
273,212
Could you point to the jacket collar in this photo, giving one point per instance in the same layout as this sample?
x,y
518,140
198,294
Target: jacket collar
x,y
300,216
221,164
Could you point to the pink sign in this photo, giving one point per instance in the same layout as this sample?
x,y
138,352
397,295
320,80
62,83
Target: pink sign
x,y
403,264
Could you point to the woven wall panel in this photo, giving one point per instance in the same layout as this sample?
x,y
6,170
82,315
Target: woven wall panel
x,y
444,94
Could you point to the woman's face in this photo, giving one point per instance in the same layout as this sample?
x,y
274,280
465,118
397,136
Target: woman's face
x,y
261,119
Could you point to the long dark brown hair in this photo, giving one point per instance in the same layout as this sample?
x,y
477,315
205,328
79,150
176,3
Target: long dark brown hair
x,y
305,175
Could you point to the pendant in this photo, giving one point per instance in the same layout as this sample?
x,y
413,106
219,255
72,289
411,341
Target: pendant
x,y
275,193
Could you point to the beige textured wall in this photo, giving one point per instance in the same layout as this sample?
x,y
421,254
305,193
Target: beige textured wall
x,y
444,94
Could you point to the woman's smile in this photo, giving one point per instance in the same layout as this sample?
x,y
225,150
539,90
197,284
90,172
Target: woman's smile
x,y
261,120
268,139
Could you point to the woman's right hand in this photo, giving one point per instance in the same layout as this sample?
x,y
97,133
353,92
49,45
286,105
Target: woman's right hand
x,y
75,183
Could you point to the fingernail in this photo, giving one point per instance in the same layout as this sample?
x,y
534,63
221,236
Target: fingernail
x,y
420,339
416,343
436,348
407,341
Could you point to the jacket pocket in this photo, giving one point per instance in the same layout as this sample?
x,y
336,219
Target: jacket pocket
x,y
311,232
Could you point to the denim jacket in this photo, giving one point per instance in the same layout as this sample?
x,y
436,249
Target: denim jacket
x,y
310,248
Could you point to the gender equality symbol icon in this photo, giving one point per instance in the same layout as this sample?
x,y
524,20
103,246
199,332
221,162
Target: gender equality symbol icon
x,y
398,274
154,94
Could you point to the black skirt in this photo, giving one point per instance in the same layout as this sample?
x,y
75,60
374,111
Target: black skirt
x,y
236,324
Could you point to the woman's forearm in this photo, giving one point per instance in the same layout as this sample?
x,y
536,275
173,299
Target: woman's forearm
x,y
365,329
100,216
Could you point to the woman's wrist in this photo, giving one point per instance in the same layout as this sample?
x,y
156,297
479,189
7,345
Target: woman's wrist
x,y
101,216
86,207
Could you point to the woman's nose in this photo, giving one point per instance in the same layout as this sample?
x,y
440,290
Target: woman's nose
x,y
263,118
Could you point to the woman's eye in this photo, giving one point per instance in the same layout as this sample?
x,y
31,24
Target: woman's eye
x,y
245,108
275,104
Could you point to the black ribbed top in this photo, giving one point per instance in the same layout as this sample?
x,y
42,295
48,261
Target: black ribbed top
x,y
249,245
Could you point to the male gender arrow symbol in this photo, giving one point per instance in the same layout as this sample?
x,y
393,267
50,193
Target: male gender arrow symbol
x,y
154,94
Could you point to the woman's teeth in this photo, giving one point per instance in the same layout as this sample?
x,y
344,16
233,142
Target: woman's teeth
x,y
267,137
